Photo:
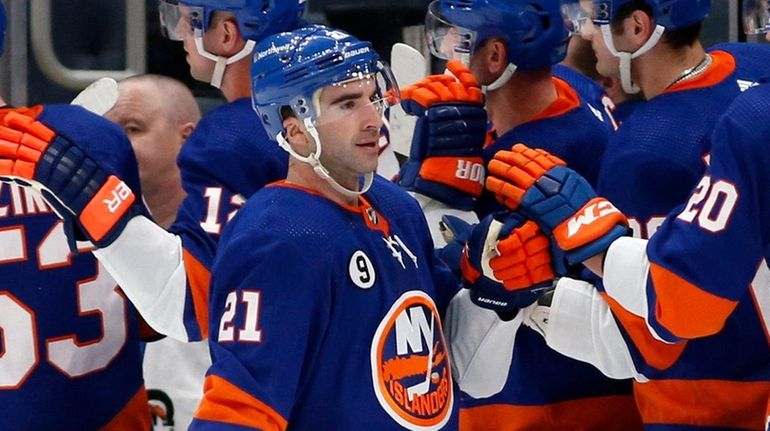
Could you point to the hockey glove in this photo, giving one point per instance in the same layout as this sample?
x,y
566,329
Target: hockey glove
x,y
94,204
506,262
456,232
566,207
445,157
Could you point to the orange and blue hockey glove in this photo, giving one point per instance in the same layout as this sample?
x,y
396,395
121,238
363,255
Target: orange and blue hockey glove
x,y
506,263
540,186
94,204
445,157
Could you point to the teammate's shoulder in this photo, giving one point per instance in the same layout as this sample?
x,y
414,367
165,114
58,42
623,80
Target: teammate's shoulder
x,y
238,107
229,122
391,200
750,112
285,210
741,48
586,87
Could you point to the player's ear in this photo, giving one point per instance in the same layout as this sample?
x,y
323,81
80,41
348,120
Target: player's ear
x,y
186,129
228,34
639,27
296,134
497,56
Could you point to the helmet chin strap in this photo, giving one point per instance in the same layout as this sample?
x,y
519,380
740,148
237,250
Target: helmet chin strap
x,y
498,83
625,57
221,62
313,159
502,80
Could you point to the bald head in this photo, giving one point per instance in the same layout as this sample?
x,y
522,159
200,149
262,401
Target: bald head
x,y
175,99
157,113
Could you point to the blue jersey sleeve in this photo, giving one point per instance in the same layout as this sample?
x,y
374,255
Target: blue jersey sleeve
x,y
226,159
711,248
649,167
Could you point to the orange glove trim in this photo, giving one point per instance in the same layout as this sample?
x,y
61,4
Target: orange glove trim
x,y
588,224
464,174
109,204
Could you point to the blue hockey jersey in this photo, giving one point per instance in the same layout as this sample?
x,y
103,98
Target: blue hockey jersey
x,y
225,160
657,157
69,339
328,317
567,129
544,389
591,92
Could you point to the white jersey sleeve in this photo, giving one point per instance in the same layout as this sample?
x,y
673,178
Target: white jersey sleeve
x,y
142,258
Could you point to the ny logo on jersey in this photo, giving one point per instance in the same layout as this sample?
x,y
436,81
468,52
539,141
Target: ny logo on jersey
x,y
398,248
410,366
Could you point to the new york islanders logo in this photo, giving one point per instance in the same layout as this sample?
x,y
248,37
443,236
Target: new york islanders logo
x,y
410,367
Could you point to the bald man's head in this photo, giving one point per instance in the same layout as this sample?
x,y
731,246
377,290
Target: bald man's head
x,y
157,113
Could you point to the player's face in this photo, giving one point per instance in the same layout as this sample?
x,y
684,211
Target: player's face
x,y
155,137
349,128
201,68
606,64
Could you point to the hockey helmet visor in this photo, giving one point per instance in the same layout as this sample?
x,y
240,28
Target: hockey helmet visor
x,y
576,14
446,40
178,20
756,16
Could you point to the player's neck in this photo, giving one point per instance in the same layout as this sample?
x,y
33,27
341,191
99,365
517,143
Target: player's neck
x,y
525,96
302,174
164,201
655,71
236,83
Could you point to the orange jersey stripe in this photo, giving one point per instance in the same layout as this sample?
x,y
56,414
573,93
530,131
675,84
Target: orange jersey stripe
x,y
684,309
702,402
199,278
226,403
567,99
720,69
135,416
582,414
656,353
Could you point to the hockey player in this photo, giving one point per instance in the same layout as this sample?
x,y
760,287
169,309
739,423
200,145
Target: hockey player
x,y
69,355
510,47
158,114
656,160
218,38
620,103
331,272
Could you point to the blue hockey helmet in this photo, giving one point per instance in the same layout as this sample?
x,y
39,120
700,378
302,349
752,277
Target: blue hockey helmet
x,y
2,27
290,70
533,30
669,14
256,19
